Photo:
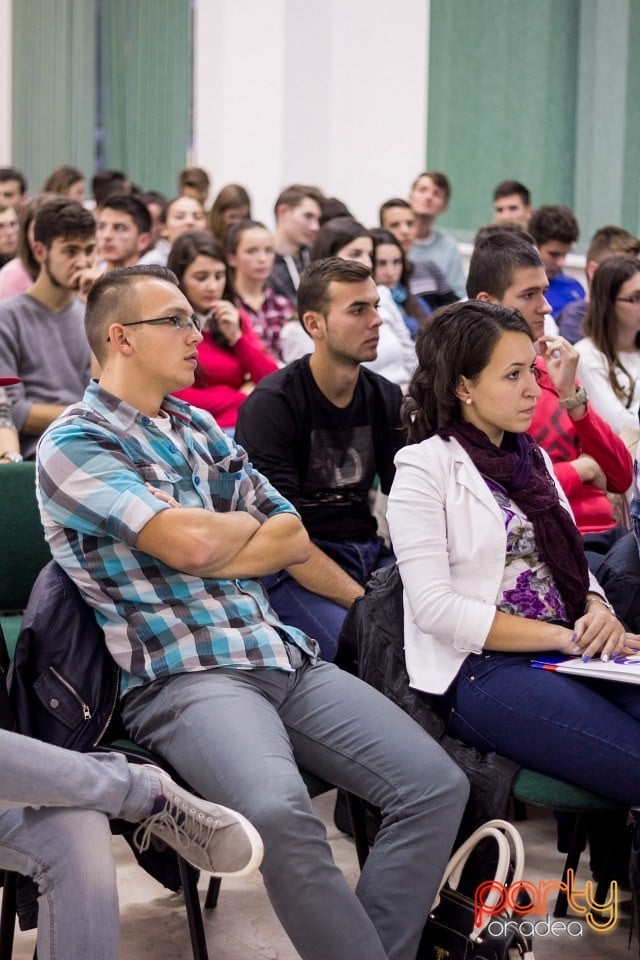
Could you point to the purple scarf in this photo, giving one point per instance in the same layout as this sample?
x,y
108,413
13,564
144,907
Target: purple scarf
x,y
519,467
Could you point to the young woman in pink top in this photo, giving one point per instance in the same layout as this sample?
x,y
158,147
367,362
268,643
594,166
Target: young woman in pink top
x,y
231,359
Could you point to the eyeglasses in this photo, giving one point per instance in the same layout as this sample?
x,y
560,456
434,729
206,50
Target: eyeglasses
x,y
634,298
179,321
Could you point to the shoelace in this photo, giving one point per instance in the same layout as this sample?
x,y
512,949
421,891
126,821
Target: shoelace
x,y
172,820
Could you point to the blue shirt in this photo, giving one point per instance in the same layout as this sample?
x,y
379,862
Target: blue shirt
x,y
93,463
562,290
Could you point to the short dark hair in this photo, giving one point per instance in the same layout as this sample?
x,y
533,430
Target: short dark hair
x,y
494,261
196,177
507,188
332,208
12,173
127,203
610,240
389,204
554,222
293,196
107,182
113,297
313,292
334,235
440,180
62,217
457,343
153,196
490,228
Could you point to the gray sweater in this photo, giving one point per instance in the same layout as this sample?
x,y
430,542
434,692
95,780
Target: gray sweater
x,y
48,350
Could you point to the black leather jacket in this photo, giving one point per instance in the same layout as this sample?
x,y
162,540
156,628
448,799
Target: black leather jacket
x,y
371,644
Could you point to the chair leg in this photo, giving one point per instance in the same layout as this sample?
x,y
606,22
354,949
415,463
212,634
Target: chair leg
x,y
8,915
213,891
571,863
189,877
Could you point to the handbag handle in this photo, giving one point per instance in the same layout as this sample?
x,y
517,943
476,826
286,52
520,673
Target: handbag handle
x,y
508,840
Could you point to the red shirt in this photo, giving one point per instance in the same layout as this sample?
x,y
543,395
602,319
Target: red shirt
x,y
565,439
223,371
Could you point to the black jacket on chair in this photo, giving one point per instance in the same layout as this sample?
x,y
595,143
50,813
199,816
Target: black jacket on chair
x,y
373,637
63,682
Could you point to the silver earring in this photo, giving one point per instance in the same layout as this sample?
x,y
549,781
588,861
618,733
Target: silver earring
x,y
468,401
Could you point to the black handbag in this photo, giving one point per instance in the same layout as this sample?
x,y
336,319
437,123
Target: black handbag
x,y
458,928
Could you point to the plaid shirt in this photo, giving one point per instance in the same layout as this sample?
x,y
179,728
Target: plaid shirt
x,y
268,321
93,464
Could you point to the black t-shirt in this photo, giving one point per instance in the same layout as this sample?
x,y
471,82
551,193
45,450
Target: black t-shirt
x,y
323,458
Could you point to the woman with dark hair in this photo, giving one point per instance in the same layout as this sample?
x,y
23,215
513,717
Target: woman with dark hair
x,y
231,205
609,365
391,269
493,567
231,359
251,254
67,182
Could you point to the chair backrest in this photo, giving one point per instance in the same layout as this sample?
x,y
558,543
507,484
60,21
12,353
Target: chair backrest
x,y
24,550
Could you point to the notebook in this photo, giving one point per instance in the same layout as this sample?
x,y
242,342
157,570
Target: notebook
x,y
624,669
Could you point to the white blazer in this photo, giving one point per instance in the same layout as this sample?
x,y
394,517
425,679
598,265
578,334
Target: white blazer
x,y
449,537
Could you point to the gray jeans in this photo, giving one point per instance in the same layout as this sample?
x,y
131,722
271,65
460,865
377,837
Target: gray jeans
x,y
54,828
237,736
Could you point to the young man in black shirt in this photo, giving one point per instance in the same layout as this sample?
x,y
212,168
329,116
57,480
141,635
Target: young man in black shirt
x,y
322,430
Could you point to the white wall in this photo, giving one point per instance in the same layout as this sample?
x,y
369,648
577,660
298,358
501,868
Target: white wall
x,y
331,92
5,83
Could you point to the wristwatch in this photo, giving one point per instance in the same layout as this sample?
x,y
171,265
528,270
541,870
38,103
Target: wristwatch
x,y
570,403
12,455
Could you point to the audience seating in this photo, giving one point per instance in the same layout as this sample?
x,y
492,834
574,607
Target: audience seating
x,y
24,551
48,590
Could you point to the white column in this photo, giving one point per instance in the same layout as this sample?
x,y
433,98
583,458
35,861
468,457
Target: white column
x,y
5,83
331,92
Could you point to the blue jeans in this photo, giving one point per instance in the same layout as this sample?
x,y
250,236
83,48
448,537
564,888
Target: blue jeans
x,y
317,616
583,731
54,828
237,737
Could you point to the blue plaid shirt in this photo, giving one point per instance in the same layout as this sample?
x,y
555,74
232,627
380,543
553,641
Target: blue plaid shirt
x,y
93,463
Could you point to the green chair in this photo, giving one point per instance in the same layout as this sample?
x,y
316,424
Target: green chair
x,y
24,550
543,791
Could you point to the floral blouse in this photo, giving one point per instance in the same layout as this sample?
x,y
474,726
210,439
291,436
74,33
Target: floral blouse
x,y
528,588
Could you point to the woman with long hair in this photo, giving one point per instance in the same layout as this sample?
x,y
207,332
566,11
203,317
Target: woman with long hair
x,y
67,182
231,359
231,205
493,567
609,365
251,254
391,269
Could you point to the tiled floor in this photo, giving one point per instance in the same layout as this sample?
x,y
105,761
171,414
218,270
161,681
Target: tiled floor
x,y
243,926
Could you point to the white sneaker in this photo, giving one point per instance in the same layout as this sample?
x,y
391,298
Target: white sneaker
x,y
208,835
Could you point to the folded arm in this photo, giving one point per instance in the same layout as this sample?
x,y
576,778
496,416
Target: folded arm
x,y
223,545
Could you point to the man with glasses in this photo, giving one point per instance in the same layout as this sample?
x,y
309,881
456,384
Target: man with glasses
x,y
164,525
42,337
